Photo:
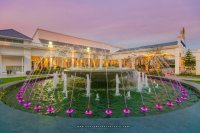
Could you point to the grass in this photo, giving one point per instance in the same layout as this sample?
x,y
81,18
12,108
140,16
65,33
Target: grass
x,y
11,79
189,75
198,82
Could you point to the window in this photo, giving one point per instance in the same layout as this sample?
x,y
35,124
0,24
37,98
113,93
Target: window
x,y
11,40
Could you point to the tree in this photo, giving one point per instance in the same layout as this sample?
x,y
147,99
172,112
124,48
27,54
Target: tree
x,y
189,61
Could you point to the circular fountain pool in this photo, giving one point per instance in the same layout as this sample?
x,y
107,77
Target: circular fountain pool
x,y
99,94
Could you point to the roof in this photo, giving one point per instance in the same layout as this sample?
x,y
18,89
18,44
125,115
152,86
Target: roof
x,y
150,46
11,33
59,37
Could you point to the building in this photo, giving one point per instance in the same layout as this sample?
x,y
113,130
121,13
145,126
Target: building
x,y
19,53
46,49
141,56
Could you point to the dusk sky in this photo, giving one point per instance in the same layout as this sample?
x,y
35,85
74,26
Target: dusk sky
x,y
127,23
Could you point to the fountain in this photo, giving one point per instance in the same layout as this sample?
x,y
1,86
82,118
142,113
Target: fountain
x,y
157,86
88,112
37,107
97,97
65,85
49,89
108,112
27,104
128,95
62,75
50,109
144,109
70,111
117,86
143,79
146,81
55,79
159,106
108,100
170,104
88,86
149,90
139,84
48,96
126,111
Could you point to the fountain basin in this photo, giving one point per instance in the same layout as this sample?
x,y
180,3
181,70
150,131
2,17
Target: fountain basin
x,y
98,74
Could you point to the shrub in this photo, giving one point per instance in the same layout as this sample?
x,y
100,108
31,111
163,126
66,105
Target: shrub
x,y
28,72
157,73
78,82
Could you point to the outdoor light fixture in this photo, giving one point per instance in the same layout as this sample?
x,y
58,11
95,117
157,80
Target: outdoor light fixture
x,y
88,49
50,109
50,45
69,111
159,106
178,100
27,104
144,109
37,107
108,111
169,104
126,111
88,112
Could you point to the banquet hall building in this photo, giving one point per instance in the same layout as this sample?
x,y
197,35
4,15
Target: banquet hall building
x,y
46,49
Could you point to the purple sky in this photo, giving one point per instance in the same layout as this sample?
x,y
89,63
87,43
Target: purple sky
x,y
127,23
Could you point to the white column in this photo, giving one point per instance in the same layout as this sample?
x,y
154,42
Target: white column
x,y
72,64
62,62
101,62
133,63
120,63
177,61
1,65
89,56
198,64
22,64
27,60
50,61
